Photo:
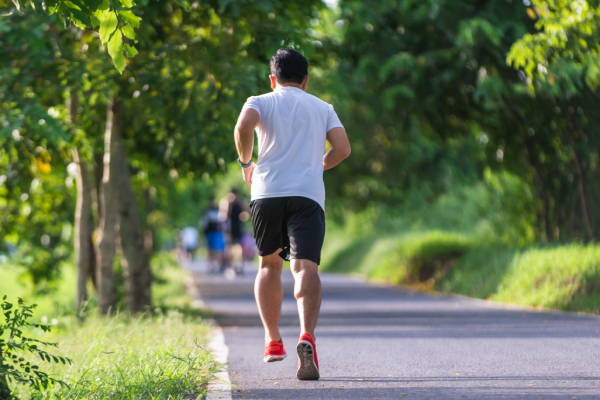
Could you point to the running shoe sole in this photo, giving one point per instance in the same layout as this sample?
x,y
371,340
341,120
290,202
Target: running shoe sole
x,y
270,358
308,371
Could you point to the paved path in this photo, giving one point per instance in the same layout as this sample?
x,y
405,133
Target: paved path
x,y
379,342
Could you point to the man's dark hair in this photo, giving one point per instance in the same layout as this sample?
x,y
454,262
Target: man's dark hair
x,y
288,65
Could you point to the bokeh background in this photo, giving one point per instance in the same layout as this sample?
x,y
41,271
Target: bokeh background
x,y
473,124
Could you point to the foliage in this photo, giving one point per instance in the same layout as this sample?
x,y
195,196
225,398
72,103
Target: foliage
x,y
430,104
14,346
562,277
115,21
566,47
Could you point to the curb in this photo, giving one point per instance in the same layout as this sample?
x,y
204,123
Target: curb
x,y
220,386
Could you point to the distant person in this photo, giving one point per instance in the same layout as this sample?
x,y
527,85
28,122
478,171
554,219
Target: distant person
x,y
212,224
189,239
248,245
234,210
237,213
288,196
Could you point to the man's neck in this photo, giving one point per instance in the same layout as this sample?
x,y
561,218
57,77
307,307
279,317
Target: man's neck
x,y
288,84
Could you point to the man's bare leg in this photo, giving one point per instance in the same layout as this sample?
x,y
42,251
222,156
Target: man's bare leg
x,y
269,294
307,290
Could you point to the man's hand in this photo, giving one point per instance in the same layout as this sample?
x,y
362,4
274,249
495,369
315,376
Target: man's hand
x,y
247,173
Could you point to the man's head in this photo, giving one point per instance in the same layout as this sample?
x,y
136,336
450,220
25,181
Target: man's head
x,y
288,67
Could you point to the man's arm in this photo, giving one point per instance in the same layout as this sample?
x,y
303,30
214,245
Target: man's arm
x,y
244,139
340,148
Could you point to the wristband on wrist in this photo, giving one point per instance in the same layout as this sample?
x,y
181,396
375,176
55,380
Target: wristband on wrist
x,y
244,165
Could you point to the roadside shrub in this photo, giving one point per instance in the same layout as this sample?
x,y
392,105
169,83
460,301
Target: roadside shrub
x,y
15,349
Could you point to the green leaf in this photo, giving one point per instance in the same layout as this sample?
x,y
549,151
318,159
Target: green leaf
x,y
184,4
130,17
108,24
95,21
128,32
79,18
115,49
130,51
127,3
94,4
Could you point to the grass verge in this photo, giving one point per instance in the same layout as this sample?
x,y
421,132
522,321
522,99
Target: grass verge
x,y
160,356
416,258
563,277
156,355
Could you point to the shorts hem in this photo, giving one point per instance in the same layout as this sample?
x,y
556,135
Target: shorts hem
x,y
264,253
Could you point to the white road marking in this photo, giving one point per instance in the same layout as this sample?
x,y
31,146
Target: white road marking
x,y
220,385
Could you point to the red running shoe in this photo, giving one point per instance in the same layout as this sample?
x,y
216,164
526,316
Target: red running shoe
x,y
308,364
274,351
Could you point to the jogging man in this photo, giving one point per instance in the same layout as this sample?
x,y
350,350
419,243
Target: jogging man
x,y
288,196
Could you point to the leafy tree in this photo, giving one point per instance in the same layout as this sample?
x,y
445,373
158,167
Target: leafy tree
x,y
432,103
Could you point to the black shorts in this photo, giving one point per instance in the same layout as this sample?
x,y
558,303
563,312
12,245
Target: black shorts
x,y
294,224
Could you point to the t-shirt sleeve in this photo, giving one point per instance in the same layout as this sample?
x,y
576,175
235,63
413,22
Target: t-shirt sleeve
x,y
253,103
332,120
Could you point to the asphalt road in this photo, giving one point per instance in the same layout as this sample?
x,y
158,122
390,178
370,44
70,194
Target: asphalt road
x,y
379,342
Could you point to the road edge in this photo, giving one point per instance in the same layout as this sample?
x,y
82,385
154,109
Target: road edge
x,y
220,386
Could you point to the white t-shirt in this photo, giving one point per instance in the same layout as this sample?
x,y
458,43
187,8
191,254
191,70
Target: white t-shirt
x,y
189,237
291,144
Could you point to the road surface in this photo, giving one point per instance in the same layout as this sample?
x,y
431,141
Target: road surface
x,y
377,342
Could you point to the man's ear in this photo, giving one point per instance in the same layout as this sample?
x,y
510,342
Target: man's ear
x,y
304,83
273,82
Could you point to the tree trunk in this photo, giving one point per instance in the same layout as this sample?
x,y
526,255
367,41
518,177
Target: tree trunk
x,y
582,200
92,265
136,266
83,250
105,246
148,235
83,230
98,171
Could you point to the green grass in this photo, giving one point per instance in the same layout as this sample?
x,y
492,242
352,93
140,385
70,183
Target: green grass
x,y
56,302
157,355
563,277
147,357
408,258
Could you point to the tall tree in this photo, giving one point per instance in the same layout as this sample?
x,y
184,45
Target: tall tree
x,y
136,264
105,246
84,251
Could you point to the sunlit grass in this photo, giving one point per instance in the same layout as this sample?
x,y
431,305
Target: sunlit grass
x,y
400,258
158,356
563,277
